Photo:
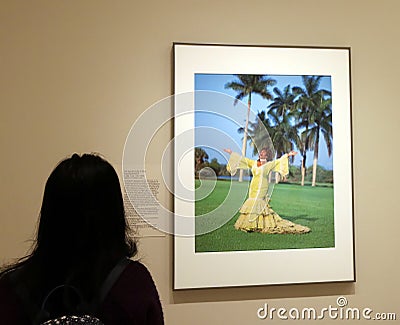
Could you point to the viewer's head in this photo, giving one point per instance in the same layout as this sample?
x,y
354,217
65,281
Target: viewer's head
x,y
82,212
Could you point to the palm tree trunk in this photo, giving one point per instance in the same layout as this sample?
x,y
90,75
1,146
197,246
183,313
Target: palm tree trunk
x,y
243,154
246,127
315,161
303,169
304,154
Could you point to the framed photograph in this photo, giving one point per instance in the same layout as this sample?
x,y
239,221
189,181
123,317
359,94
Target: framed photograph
x,y
263,166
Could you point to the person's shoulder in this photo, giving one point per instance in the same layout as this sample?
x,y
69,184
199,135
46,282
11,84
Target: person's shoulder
x,y
137,265
135,283
134,298
136,274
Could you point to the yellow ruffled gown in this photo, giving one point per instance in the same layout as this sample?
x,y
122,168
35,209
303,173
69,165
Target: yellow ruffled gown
x,y
256,214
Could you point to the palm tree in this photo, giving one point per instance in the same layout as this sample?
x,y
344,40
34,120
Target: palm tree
x,y
283,134
283,102
246,85
307,102
281,114
259,133
322,123
272,131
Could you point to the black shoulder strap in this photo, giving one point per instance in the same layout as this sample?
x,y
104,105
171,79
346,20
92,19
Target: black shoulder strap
x,y
111,279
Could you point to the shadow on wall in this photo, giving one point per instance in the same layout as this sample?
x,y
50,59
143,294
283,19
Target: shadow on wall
x,y
263,292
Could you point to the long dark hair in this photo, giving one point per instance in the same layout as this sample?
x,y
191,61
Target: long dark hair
x,y
82,230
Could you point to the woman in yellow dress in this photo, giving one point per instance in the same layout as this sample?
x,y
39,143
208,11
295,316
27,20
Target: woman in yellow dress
x,y
255,213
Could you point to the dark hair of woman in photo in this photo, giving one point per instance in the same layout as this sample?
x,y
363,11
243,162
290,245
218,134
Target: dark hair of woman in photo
x,y
268,155
82,235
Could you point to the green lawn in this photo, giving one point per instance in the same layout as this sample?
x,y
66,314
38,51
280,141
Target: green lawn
x,y
308,206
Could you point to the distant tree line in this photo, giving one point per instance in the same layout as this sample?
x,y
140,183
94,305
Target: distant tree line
x,y
201,161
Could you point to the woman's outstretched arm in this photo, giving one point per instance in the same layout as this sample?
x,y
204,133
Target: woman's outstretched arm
x,y
236,161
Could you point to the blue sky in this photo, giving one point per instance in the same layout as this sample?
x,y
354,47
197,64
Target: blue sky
x,y
216,82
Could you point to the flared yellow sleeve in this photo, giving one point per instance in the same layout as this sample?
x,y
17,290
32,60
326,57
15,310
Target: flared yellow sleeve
x,y
237,161
281,165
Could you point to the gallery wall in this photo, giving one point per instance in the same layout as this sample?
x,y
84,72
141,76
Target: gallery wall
x,y
75,75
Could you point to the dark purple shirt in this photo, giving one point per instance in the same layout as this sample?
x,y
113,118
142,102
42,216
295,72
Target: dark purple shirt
x,y
133,299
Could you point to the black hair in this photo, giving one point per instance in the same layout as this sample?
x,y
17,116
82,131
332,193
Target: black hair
x,y
82,230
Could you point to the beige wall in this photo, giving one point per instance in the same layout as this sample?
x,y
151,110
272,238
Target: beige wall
x,y
74,75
